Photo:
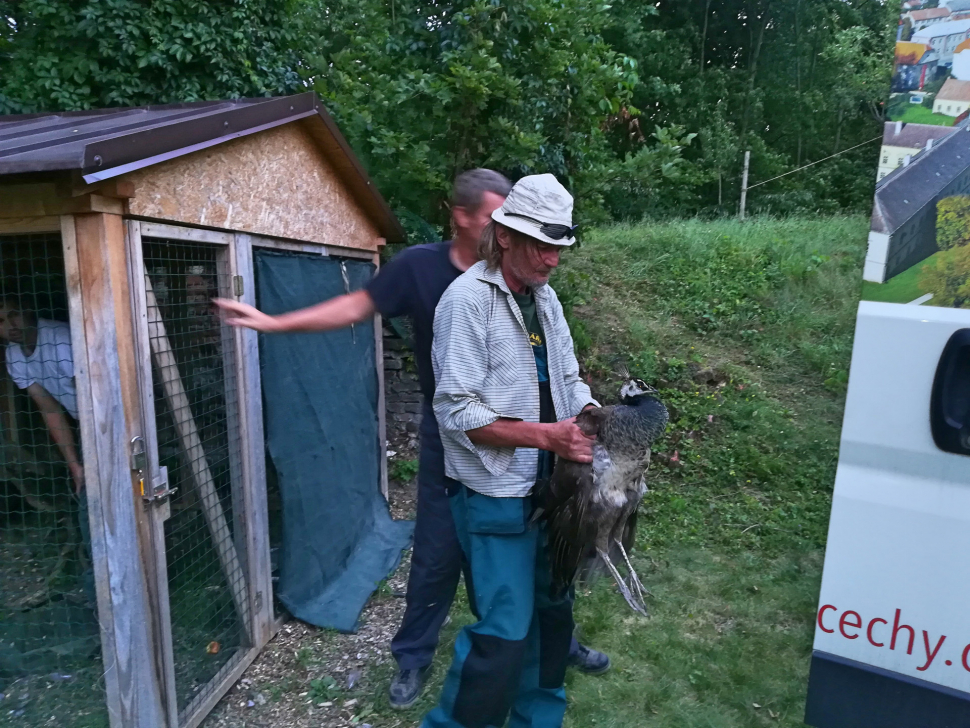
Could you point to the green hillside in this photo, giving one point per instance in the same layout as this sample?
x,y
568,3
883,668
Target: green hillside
x,y
747,331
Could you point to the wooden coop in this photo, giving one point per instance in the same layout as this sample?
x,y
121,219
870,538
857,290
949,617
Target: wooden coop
x,y
117,228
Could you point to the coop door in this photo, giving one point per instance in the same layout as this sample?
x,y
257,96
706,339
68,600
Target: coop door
x,y
194,467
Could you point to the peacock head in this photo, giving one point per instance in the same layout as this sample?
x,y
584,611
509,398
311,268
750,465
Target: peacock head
x,y
633,388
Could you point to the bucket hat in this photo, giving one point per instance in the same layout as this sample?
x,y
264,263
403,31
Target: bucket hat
x,y
539,207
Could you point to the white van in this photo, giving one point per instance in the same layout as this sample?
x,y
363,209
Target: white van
x,y
892,632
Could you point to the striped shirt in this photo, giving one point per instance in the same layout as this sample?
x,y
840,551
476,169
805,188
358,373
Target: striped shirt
x,y
485,370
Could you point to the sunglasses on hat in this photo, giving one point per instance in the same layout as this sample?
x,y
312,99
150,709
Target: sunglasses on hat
x,y
551,230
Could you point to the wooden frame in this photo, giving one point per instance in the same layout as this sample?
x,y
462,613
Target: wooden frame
x,y
253,446
97,286
152,228
179,232
161,511
21,225
381,394
249,556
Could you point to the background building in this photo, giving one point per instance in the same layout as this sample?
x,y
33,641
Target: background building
x,y
944,38
953,99
901,140
903,229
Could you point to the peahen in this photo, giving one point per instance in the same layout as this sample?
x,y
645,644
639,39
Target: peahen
x,y
590,509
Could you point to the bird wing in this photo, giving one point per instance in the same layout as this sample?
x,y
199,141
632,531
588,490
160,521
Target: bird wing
x,y
570,529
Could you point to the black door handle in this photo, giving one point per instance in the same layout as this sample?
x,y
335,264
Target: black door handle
x,y
950,401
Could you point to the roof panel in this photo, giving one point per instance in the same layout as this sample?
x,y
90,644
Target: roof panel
x,y
106,142
903,192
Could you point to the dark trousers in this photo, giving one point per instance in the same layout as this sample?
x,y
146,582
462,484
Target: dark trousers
x,y
436,561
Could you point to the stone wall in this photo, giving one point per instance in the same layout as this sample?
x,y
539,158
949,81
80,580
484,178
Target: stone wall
x,y
402,394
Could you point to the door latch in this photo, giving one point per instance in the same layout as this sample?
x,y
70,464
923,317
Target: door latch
x,y
158,488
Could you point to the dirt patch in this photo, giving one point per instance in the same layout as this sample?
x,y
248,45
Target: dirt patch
x,y
308,677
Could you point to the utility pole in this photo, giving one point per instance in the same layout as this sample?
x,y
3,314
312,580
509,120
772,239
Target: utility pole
x,y
744,184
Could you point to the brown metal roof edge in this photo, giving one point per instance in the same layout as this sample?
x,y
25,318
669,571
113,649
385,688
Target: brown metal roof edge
x,y
16,118
172,139
123,153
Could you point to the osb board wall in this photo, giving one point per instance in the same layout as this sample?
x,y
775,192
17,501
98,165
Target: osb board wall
x,y
276,183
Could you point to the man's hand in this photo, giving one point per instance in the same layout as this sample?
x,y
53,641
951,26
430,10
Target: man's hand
x,y
563,438
235,313
77,472
351,308
568,441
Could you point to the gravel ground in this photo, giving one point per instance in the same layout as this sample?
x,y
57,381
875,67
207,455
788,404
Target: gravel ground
x,y
310,677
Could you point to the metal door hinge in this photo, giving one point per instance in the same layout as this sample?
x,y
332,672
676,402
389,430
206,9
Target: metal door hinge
x,y
237,286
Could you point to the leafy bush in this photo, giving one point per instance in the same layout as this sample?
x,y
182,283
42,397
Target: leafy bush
x,y
952,222
403,471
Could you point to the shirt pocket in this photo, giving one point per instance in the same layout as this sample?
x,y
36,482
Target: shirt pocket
x,y
503,359
495,516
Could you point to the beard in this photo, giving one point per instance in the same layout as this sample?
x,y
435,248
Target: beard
x,y
525,270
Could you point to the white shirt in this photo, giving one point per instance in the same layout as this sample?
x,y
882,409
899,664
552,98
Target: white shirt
x,y
485,369
51,365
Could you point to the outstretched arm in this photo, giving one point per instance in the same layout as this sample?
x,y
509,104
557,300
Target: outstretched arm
x,y
56,420
338,312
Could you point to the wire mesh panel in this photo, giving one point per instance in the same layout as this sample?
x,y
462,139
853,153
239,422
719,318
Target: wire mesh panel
x,y
50,647
194,380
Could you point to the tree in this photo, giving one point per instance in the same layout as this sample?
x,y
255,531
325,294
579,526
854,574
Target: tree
x,y
953,222
61,55
424,90
948,278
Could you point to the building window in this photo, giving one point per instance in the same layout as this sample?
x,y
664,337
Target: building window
x,y
885,159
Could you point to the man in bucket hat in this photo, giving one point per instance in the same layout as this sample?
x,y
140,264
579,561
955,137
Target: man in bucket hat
x,y
508,390
411,284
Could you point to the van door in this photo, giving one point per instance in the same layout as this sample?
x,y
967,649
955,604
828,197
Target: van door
x,y
892,633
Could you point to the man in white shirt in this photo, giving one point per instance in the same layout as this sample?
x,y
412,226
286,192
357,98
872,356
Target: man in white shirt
x,y
39,360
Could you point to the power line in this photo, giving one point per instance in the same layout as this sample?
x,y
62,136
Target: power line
x,y
812,164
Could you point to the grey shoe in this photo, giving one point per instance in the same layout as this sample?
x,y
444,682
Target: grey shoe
x,y
406,687
589,661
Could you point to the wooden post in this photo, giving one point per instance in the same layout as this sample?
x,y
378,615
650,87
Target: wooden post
x,y
226,281
188,433
105,370
381,395
253,446
744,185
158,513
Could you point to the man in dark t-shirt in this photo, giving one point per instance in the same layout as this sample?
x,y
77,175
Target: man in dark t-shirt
x,y
411,285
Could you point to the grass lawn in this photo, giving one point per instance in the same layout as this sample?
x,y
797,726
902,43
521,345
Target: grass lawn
x,y
919,114
901,288
732,531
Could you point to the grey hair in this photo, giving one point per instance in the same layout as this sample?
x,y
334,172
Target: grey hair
x,y
470,186
488,248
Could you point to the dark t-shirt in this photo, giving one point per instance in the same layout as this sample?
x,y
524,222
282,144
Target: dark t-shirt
x,y
411,284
